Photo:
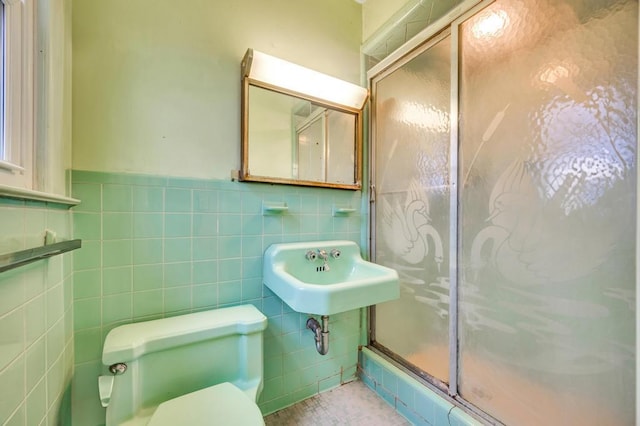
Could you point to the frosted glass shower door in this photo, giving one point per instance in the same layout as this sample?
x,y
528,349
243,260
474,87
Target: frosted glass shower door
x,y
412,206
548,114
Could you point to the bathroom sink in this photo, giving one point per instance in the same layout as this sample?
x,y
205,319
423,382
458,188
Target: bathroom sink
x,y
298,274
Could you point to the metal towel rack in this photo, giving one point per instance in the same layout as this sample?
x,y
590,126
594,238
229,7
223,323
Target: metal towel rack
x,y
13,260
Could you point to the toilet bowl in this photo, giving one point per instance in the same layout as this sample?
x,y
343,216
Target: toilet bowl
x,y
189,369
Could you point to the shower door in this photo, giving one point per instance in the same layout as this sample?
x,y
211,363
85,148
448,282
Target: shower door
x,y
505,177
412,217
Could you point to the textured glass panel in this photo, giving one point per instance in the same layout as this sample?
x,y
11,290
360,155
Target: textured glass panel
x,y
412,207
548,134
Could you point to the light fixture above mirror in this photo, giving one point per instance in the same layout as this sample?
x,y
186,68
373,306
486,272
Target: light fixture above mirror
x,y
299,126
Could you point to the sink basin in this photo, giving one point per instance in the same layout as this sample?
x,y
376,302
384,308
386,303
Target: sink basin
x,y
308,286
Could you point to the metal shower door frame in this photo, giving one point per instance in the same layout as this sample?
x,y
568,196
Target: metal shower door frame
x,y
447,26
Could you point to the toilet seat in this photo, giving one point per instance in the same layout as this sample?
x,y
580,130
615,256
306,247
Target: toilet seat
x,y
223,404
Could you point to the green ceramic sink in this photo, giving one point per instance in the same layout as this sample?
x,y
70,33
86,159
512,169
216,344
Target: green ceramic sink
x,y
298,274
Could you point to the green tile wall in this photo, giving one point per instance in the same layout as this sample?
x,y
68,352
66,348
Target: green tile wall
x,y
36,328
158,246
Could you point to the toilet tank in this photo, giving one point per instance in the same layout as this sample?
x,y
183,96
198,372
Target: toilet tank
x,y
170,357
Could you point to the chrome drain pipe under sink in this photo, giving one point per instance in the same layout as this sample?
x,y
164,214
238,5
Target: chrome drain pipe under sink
x,y
321,333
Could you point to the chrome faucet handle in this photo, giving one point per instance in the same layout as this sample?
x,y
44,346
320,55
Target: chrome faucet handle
x,y
335,253
311,255
322,254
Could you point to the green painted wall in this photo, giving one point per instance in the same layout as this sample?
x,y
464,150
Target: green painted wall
x,y
156,84
375,14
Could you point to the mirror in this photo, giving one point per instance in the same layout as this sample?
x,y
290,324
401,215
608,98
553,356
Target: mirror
x,y
294,138
291,138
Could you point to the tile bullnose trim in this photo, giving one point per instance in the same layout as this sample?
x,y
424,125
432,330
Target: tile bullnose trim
x,y
416,402
31,195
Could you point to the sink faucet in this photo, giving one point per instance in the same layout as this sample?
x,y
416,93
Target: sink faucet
x,y
322,254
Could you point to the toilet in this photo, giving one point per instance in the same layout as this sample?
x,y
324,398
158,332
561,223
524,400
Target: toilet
x,y
190,369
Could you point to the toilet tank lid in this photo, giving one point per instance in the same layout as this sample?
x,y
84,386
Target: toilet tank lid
x,y
130,341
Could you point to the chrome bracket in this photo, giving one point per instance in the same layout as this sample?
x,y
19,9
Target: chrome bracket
x,y
118,368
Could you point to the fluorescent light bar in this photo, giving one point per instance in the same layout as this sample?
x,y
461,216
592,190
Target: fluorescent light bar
x,y
279,73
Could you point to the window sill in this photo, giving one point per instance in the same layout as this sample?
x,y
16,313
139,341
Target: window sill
x,y
10,166
30,195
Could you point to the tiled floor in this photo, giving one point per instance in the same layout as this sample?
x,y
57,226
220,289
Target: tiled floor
x,y
349,404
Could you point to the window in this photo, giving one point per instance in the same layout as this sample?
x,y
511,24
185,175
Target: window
x,y
17,31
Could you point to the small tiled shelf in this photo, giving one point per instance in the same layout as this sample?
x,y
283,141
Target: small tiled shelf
x,y
270,207
341,211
